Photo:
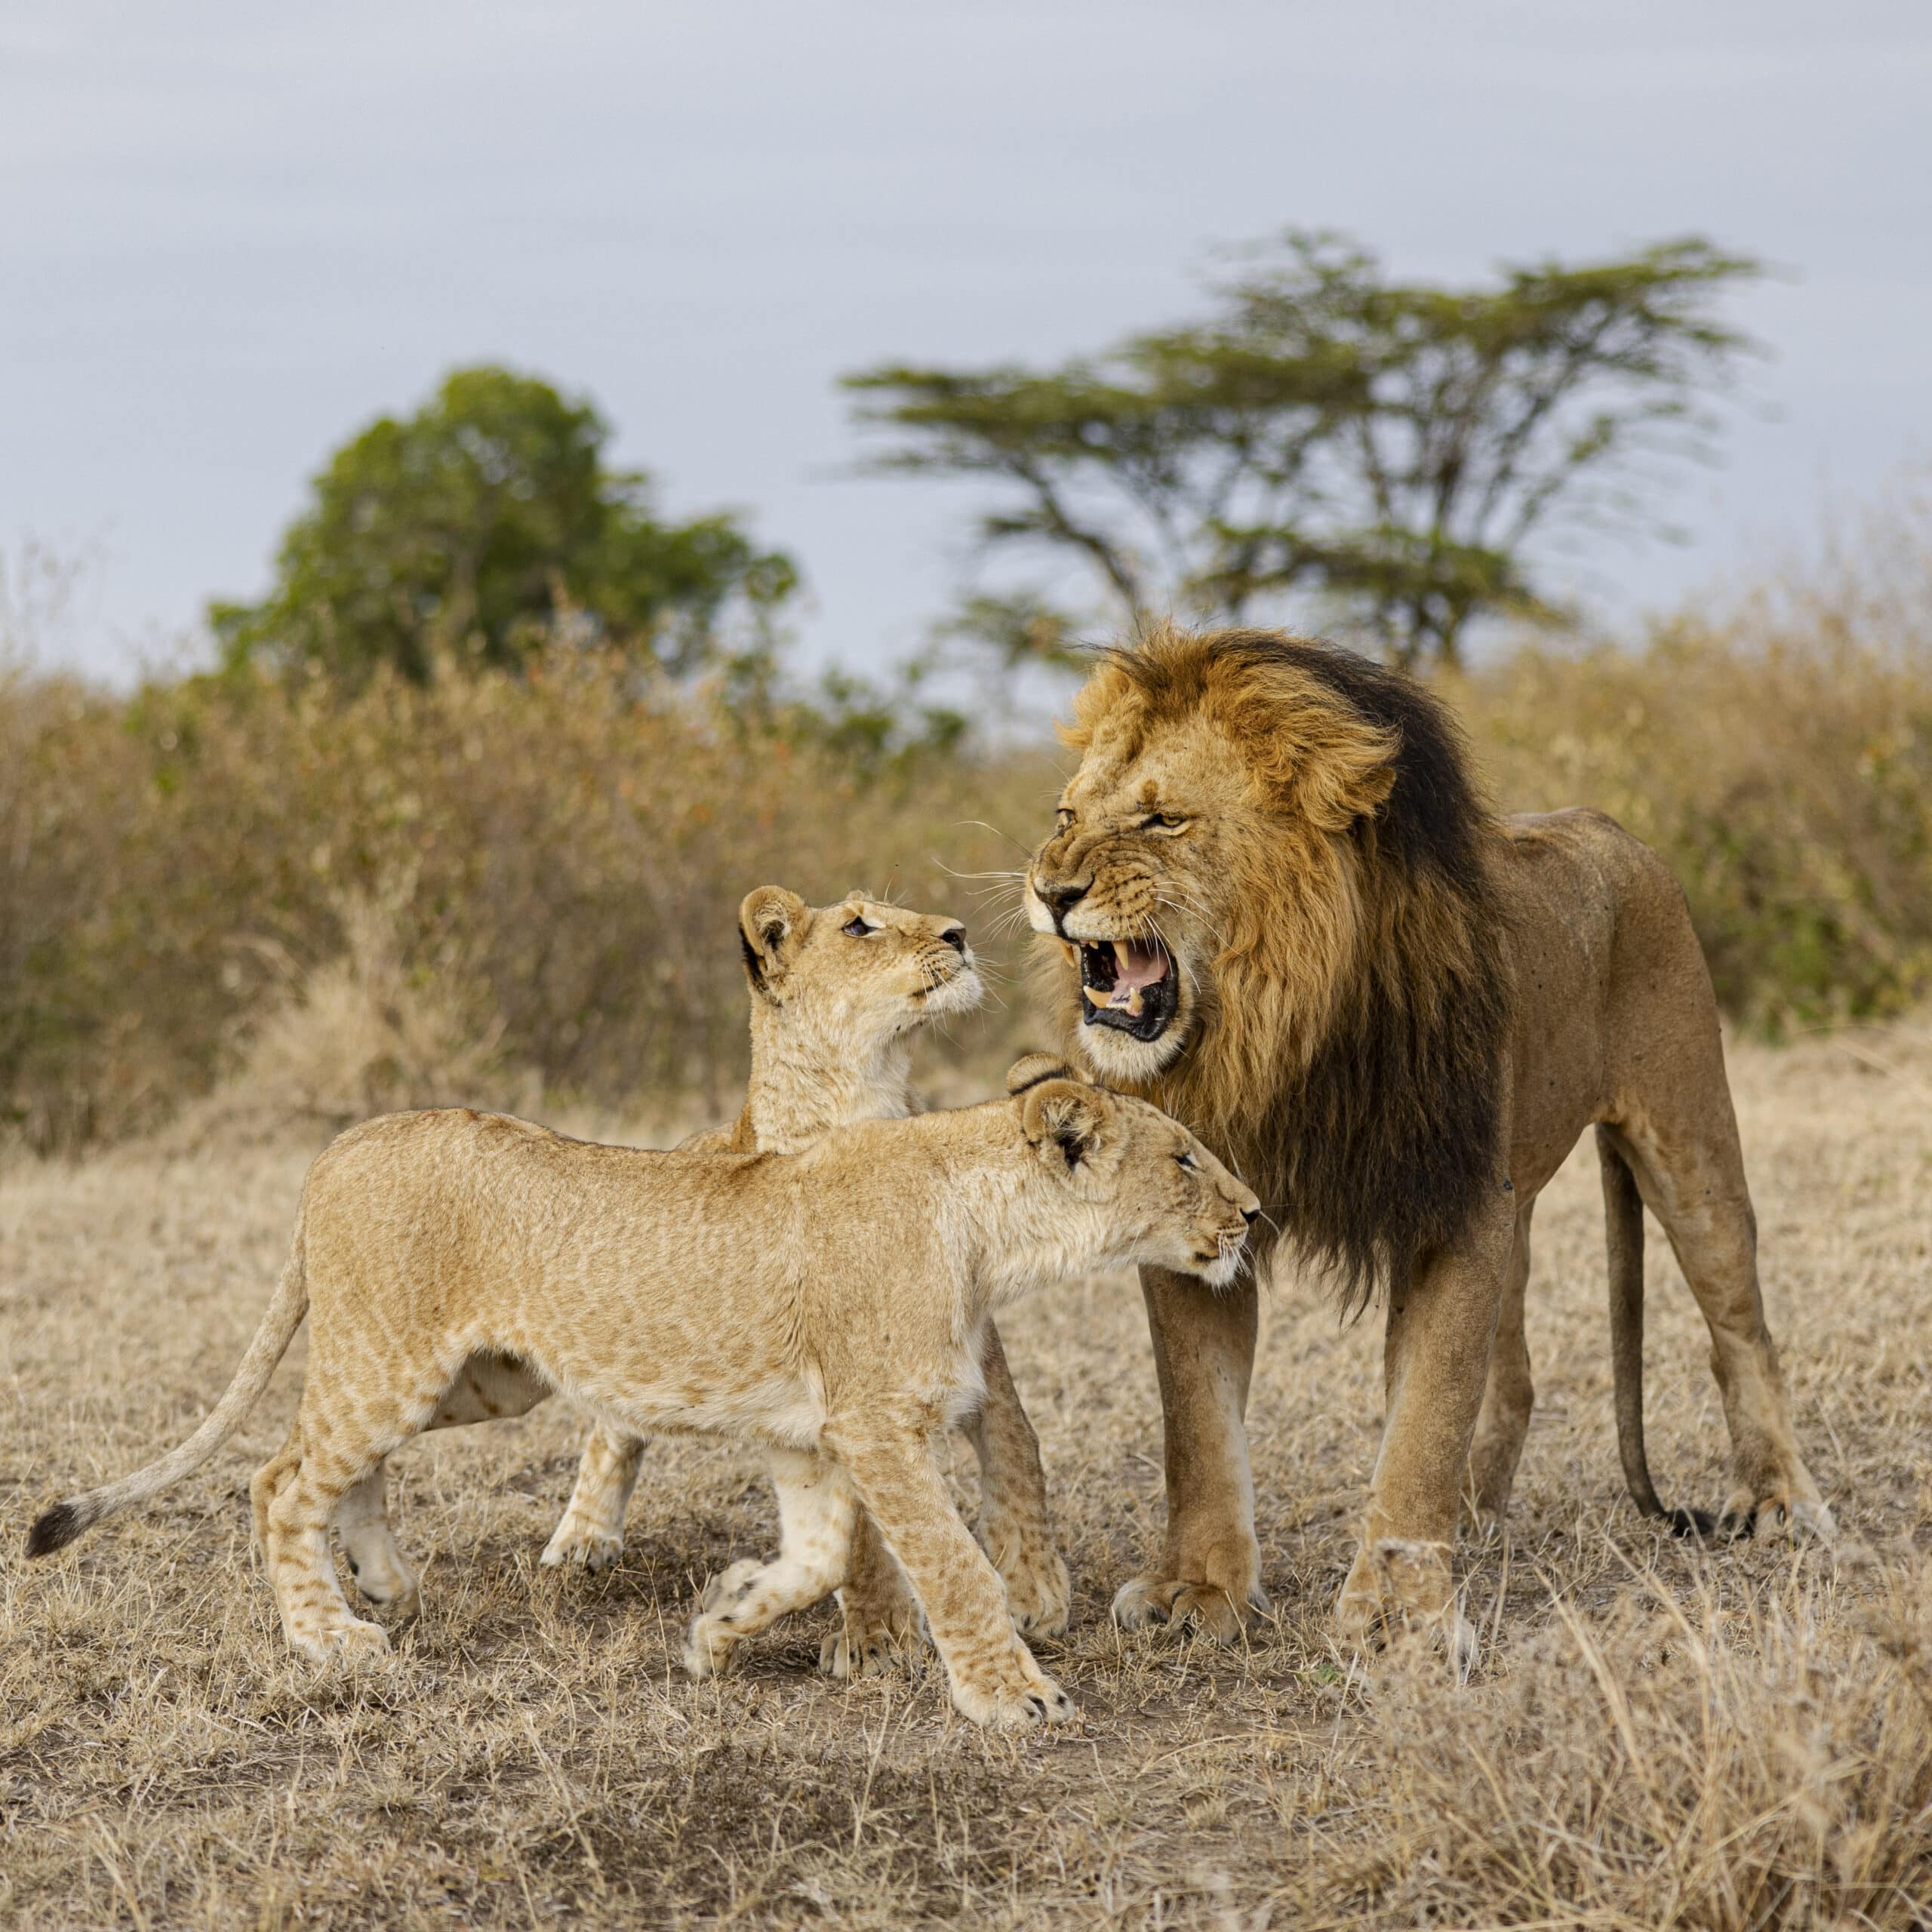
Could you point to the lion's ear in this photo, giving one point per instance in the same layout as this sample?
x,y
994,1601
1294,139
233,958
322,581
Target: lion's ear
x,y
1347,774
1072,1119
1031,1068
771,927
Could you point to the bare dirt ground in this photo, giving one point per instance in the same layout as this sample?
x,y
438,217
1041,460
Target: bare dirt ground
x,y
1658,1734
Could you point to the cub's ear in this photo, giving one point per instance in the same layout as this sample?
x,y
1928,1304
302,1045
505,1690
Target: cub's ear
x,y
771,927
1068,1117
1031,1068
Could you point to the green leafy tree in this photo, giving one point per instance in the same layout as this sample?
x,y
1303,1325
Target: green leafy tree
x,y
1392,451
486,522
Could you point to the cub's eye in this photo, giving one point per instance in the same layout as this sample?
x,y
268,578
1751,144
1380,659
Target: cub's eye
x,y
1063,819
1163,822
855,927
1188,1162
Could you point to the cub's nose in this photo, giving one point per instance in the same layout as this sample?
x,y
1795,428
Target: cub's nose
x,y
955,937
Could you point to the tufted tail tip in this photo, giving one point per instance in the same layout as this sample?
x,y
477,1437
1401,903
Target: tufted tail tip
x,y
55,1528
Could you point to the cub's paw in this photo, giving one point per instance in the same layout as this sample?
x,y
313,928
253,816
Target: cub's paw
x,y
866,1648
383,1577
575,1544
711,1648
882,1628
723,1590
1143,1602
1021,1699
1038,1591
350,1644
711,1644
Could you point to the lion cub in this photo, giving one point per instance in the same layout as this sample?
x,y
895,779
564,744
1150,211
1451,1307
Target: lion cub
x,y
831,1305
837,994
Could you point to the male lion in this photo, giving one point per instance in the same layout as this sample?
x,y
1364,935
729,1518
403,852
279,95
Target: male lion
x,y
831,1305
1284,913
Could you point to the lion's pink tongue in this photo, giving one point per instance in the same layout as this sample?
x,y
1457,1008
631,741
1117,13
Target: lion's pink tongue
x,y
1136,966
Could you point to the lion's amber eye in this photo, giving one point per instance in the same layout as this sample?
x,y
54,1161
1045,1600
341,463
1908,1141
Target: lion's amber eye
x,y
1188,1162
1163,822
855,927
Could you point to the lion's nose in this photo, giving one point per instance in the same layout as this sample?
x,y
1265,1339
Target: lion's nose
x,y
1251,1215
1061,898
955,937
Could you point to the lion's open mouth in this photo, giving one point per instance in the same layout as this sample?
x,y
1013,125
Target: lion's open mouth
x,y
1128,984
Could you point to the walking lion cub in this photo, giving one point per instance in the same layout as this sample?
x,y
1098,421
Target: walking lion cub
x,y
830,1304
837,993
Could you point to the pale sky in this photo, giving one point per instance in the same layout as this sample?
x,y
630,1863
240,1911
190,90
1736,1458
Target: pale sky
x,y
232,234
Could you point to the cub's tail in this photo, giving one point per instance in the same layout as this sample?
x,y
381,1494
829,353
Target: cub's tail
x,y
1623,1234
55,1528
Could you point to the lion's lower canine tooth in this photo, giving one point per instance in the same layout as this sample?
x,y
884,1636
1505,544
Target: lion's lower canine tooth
x,y
1135,1002
1099,999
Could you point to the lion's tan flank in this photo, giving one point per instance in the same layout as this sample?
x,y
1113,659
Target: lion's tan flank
x,y
830,1304
1302,931
833,1015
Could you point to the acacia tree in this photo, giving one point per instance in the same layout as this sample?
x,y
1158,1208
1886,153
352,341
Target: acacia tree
x,y
481,523
1389,449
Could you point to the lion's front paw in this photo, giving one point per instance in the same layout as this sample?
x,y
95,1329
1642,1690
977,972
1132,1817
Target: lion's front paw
x,y
711,1648
867,1645
730,1583
577,1544
1396,1585
1146,1601
712,1643
383,1577
1018,1696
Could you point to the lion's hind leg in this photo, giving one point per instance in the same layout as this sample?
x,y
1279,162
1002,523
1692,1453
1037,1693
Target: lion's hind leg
x,y
347,1424
375,1561
818,1510
591,1531
1014,1528
1691,1172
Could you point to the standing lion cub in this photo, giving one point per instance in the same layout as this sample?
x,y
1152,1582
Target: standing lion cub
x,y
831,1305
837,994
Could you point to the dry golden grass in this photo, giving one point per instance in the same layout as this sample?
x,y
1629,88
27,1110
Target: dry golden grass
x,y
1658,1734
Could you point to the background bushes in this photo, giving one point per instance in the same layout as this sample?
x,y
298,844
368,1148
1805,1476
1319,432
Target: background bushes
x,y
527,881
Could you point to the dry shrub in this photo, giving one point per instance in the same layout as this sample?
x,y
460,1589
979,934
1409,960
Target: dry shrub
x,y
575,850
1779,755
362,1034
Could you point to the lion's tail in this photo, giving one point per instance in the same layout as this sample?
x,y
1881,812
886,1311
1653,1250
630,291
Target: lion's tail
x,y
1624,1235
57,1528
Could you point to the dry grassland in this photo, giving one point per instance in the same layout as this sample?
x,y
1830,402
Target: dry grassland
x,y
1658,1734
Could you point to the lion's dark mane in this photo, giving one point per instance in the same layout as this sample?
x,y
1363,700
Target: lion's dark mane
x,y
1377,1151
